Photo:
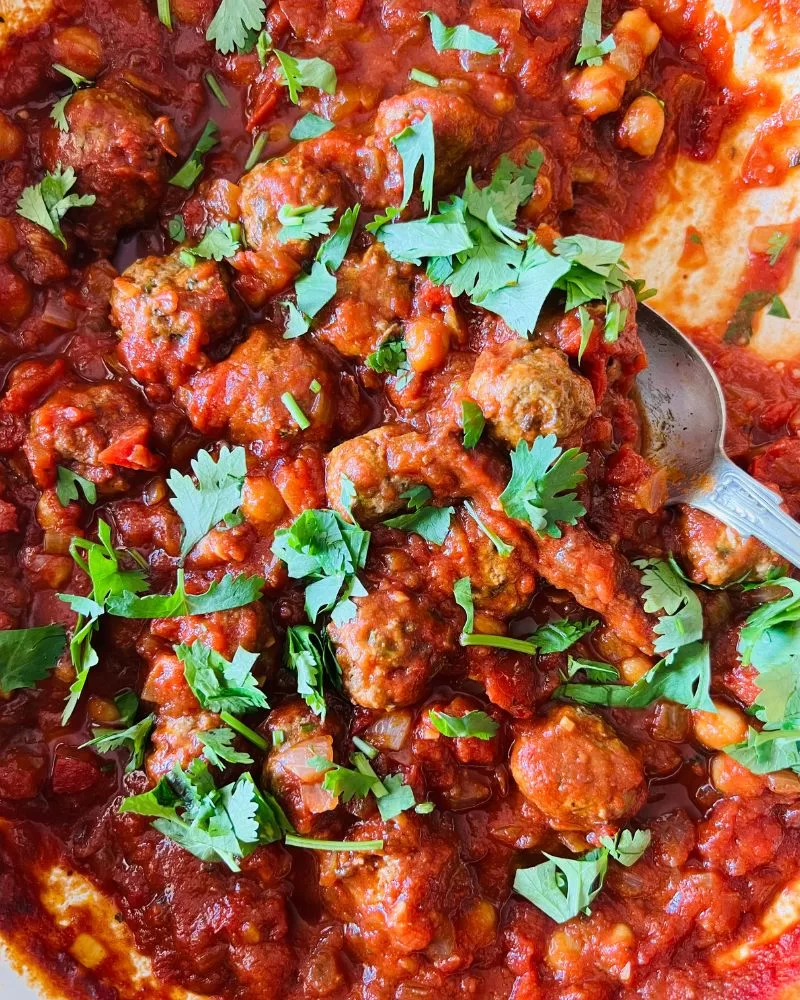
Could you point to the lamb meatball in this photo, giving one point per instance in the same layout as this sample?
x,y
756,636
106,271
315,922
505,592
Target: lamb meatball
x,y
363,460
459,128
117,154
287,772
575,769
525,391
414,898
242,395
393,647
715,554
96,430
167,314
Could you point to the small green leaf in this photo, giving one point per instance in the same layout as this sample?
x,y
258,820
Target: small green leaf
x,y
540,478
474,724
67,484
460,37
310,126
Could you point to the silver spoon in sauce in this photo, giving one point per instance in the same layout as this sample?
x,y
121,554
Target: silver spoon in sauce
x,y
685,407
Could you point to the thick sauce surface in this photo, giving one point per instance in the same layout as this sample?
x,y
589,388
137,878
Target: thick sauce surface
x,y
122,377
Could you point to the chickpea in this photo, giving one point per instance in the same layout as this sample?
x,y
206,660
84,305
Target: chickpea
x,y
262,504
719,729
633,668
729,777
598,90
102,711
12,138
637,25
427,343
79,49
642,127
540,199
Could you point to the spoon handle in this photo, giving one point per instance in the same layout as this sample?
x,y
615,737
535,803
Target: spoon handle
x,y
743,503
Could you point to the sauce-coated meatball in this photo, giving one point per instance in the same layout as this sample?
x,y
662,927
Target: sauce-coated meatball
x,y
363,460
525,391
116,151
97,430
392,648
167,314
574,768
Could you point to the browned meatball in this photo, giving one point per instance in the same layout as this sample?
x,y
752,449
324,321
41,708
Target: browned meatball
x,y
393,647
501,584
414,898
574,768
116,151
243,393
460,130
97,430
287,772
167,314
363,460
525,391
716,554
373,293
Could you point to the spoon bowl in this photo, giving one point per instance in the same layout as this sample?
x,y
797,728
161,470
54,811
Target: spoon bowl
x,y
685,408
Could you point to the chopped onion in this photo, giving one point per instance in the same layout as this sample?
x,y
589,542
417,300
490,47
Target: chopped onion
x,y
58,313
390,732
295,758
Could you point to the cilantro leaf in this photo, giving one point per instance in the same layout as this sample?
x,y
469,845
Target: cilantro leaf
x,y
460,37
502,548
592,48
563,887
430,523
215,824
310,126
399,797
770,641
472,724
472,423
297,74
509,188
67,484
347,493
223,595
343,782
540,477
438,235
333,251
776,244
218,492
193,167
555,637
462,592
415,144
626,848
520,303
47,202
391,358
232,23
304,222
771,749
218,748
134,738
778,308
59,108
221,685
176,228
223,240
27,655
665,590
595,670
310,657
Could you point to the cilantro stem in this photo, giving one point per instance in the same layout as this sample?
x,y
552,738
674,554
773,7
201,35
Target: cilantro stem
x,y
420,76
370,846
499,642
366,748
255,153
164,13
216,90
243,730
295,412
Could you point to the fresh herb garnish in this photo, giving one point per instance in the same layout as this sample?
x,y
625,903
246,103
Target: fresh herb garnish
x,y
216,90
778,308
221,241
310,126
776,244
311,658
502,548
343,782
134,739
541,477
47,202
27,655
297,74
67,484
193,167
254,155
222,595
460,37
420,76
475,724
217,493
774,748
367,846
325,549
58,112
233,22
472,422
215,824
304,222
222,685
218,748
392,359
462,593
176,228
295,412
592,48
415,144
430,523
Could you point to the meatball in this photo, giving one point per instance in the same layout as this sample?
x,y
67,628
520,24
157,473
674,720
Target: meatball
x,y
525,391
246,394
393,647
97,430
501,584
288,180
363,460
575,769
716,554
287,772
460,131
416,896
373,293
115,148
167,314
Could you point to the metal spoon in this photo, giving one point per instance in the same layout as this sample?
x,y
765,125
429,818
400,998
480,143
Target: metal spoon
x,y
685,407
